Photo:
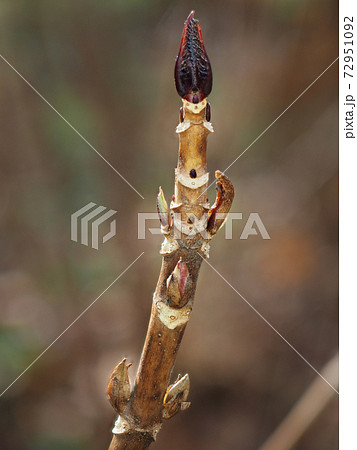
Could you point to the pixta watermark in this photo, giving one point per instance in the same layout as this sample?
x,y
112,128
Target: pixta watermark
x,y
253,225
86,223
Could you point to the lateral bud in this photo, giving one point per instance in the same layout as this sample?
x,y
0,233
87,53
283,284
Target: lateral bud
x,y
178,285
218,214
119,387
176,396
163,210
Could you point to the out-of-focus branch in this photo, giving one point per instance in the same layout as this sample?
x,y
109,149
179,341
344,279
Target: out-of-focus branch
x,y
188,225
306,410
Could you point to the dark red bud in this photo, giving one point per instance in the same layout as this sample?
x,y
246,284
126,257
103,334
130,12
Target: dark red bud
x,y
193,74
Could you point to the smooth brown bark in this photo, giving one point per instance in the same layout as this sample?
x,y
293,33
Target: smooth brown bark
x,y
143,413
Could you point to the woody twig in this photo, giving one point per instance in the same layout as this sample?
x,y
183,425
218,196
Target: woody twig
x,y
188,225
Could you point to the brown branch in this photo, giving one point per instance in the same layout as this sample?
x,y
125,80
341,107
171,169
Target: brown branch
x,y
188,226
306,410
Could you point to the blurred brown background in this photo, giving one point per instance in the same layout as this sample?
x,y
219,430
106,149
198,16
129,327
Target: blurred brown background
x,y
108,69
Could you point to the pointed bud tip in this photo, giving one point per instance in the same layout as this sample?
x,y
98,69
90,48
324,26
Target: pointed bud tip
x,y
193,74
191,15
